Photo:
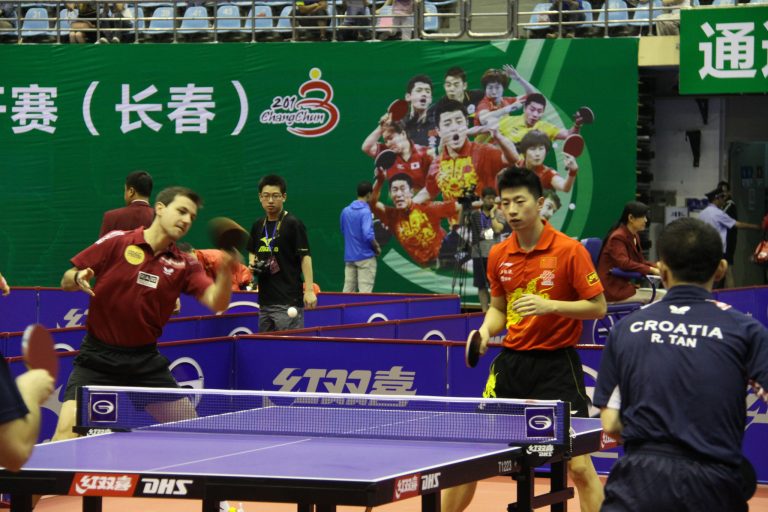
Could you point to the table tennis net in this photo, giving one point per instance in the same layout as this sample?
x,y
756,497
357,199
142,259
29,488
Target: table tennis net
x,y
323,415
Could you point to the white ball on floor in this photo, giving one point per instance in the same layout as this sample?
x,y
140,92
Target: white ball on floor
x,y
292,312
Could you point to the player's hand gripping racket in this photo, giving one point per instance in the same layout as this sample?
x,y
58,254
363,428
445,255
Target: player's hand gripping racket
x,y
226,234
472,348
385,159
38,350
574,145
398,109
584,116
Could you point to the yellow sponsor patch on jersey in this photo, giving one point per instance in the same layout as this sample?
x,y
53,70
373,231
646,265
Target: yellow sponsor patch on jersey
x,y
134,255
592,278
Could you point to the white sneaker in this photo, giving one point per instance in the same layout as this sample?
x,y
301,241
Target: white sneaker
x,y
225,507
102,40
116,40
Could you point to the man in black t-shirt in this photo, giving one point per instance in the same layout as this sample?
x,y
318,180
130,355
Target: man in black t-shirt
x,y
279,255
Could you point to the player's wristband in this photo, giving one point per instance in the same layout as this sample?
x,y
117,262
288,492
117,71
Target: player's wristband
x,y
572,173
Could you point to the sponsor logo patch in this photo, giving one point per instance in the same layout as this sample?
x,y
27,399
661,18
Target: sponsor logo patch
x,y
592,278
101,484
134,255
540,422
407,487
148,280
103,407
542,450
165,486
606,441
430,481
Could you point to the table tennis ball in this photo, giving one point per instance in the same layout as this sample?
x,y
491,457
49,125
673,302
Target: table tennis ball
x,y
292,312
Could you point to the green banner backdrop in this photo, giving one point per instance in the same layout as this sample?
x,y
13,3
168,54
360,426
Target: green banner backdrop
x,y
74,120
723,50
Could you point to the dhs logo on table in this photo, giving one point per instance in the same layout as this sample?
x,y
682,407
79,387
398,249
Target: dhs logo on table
x,y
540,422
102,407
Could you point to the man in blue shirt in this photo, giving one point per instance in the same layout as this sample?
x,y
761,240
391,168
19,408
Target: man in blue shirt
x,y
360,246
673,382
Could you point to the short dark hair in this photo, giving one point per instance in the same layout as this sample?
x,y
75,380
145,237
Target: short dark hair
x,y
513,177
494,76
401,177
536,98
448,106
273,180
489,191
456,72
691,249
552,196
418,78
532,139
167,195
364,188
141,182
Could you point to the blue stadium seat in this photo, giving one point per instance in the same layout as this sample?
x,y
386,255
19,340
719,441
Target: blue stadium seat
x,y
592,245
284,21
588,16
161,22
431,20
228,19
718,3
640,16
617,19
195,22
36,24
259,20
64,21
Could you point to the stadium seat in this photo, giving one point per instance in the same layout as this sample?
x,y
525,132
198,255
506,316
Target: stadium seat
x,y
161,22
63,22
640,16
431,20
618,17
718,3
592,245
259,21
228,20
194,23
36,25
535,30
284,25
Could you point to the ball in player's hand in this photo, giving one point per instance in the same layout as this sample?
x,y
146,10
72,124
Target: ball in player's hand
x,y
292,312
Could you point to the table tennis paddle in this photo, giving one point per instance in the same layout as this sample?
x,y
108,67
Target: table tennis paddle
x,y
574,145
38,350
227,234
385,159
398,110
472,348
586,115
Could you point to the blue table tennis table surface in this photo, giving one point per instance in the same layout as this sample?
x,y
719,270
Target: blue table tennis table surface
x,y
298,465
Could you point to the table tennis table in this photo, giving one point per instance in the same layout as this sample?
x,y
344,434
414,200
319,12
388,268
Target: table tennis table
x,y
364,450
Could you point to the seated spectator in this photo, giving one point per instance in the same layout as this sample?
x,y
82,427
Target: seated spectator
x,y
118,24
353,9
572,11
668,24
313,13
402,17
621,249
7,19
83,28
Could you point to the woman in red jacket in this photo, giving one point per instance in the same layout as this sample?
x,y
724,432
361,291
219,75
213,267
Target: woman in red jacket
x,y
621,249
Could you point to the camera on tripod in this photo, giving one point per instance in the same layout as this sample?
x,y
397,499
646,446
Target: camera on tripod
x,y
467,197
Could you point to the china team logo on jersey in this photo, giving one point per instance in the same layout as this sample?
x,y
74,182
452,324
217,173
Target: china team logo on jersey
x,y
310,113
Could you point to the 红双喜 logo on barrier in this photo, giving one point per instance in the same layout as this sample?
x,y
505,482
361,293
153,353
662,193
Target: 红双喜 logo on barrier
x,y
102,407
540,421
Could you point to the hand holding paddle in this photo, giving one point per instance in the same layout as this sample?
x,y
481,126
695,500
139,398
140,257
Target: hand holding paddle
x,y
474,348
227,235
38,350
82,279
574,145
385,159
398,109
584,116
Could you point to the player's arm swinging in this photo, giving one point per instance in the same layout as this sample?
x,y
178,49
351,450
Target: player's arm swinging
x,y
216,297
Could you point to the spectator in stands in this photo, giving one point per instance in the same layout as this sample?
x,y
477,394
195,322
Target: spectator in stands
x,y
119,21
20,403
622,249
7,19
356,15
571,11
313,14
402,17
137,212
487,223
83,28
668,24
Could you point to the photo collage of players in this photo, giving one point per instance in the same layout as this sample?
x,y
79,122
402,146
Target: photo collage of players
x,y
437,159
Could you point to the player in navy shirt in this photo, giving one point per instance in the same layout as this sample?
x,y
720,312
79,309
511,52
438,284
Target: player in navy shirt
x,y
680,369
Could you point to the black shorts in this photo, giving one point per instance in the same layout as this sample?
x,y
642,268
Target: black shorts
x,y
539,375
655,478
479,269
99,364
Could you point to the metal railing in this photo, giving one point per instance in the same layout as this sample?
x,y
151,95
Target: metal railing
x,y
252,20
